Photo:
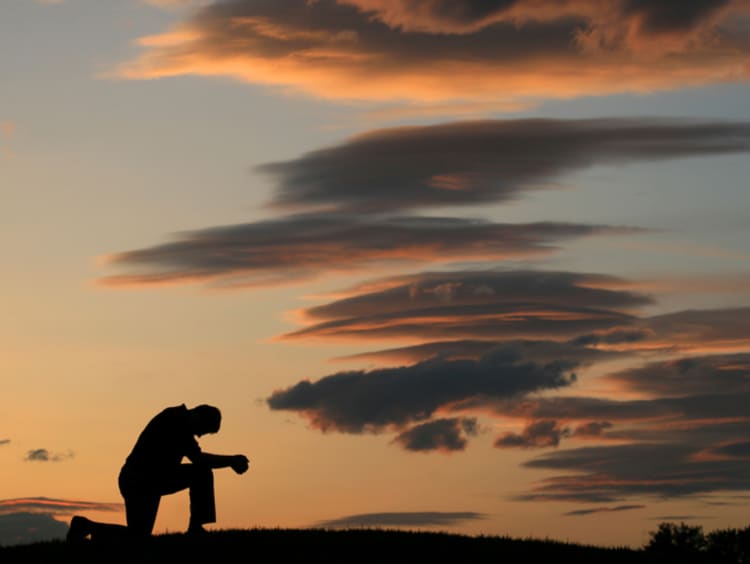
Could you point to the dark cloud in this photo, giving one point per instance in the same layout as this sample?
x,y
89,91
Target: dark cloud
x,y
304,246
27,528
403,519
691,376
476,305
711,390
53,506
618,508
358,401
732,449
445,435
540,351
4,441
34,519
484,161
641,469
576,408
684,435
666,16
43,455
468,16
539,434
496,50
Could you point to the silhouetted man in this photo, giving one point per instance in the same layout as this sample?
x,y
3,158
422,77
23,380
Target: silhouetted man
x,y
155,468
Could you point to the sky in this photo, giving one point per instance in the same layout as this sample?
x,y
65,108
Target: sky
x,y
472,266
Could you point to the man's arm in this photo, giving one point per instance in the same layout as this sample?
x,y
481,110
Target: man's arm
x,y
237,462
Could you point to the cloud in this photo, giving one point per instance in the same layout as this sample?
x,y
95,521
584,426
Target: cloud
x,y
501,304
502,50
35,519
476,162
706,330
690,376
541,351
300,247
373,401
544,433
688,437
403,519
4,441
591,511
43,455
53,506
592,429
467,16
27,528
663,470
446,435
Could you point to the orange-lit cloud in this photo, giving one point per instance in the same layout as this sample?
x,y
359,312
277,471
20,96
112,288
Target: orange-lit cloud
x,y
501,305
435,50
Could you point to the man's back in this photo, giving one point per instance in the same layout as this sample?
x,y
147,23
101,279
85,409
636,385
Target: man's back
x,y
164,442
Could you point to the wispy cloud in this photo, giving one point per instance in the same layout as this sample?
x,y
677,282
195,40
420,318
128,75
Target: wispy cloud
x,y
403,519
35,519
593,510
483,161
44,455
501,304
508,51
688,437
541,351
53,506
296,248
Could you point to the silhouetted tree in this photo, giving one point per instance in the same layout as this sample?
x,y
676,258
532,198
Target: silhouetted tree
x,y
729,545
679,543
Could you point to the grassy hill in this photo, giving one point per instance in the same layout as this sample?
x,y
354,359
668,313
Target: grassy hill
x,y
330,546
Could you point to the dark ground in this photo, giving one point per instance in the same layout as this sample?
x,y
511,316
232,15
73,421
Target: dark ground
x,y
330,546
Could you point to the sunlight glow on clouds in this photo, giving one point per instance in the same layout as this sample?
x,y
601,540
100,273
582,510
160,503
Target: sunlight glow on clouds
x,y
398,50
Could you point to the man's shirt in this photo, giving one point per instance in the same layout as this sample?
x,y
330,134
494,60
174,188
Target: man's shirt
x,y
164,442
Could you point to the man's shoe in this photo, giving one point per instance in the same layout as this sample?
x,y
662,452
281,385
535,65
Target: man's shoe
x,y
196,531
80,528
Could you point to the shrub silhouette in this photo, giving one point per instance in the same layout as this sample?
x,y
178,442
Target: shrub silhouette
x,y
684,542
729,545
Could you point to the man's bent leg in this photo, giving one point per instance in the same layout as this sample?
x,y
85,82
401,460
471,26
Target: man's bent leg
x,y
202,498
199,480
140,512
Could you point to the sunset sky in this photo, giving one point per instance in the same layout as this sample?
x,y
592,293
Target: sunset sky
x,y
480,266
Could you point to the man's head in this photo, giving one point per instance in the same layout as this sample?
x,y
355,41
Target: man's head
x,y
205,419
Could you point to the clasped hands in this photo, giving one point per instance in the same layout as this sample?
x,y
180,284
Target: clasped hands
x,y
240,463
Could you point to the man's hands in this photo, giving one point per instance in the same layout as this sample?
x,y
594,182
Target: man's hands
x,y
240,463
